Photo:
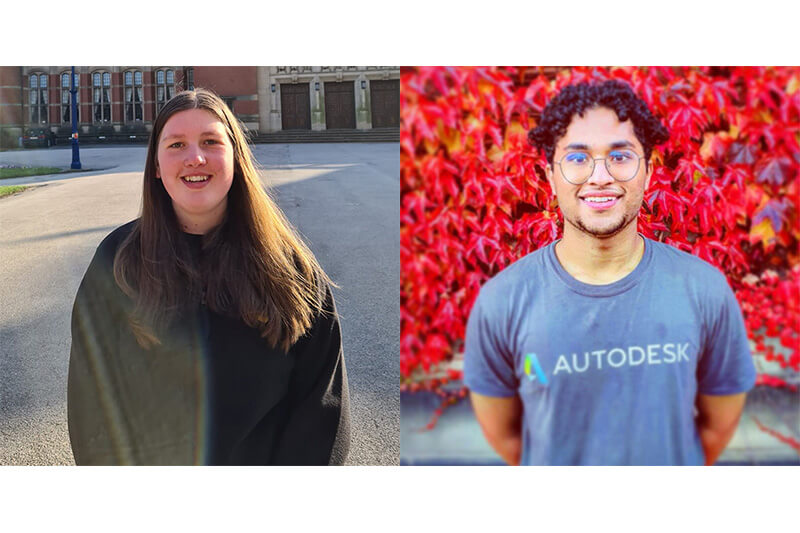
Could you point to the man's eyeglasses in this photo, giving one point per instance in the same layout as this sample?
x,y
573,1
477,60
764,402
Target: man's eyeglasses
x,y
577,167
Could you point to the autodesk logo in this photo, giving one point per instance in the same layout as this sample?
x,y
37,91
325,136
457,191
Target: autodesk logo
x,y
613,359
532,363
652,354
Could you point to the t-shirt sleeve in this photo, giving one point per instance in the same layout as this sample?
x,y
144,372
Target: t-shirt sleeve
x,y
488,363
318,428
726,365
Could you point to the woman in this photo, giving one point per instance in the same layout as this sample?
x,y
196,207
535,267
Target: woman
x,y
205,331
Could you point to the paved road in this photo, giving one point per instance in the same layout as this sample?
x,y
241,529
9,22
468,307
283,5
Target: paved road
x,y
344,198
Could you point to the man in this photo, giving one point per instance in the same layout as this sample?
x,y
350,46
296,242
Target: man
x,y
605,347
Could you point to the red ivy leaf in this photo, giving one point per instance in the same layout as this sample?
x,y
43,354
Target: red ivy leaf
x,y
741,153
774,170
775,210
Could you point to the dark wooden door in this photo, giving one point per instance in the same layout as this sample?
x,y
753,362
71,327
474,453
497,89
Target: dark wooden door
x,y
340,105
295,106
385,103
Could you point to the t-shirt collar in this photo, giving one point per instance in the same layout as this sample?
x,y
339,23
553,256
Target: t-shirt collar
x,y
599,291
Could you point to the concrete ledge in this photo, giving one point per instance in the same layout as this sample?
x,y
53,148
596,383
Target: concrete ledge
x,y
457,438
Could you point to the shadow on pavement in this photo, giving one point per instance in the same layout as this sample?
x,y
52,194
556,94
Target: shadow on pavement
x,y
106,229
33,363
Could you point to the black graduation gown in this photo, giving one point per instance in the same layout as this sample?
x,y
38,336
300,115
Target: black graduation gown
x,y
213,392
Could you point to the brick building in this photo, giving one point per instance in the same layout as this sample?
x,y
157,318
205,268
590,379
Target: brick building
x,y
118,104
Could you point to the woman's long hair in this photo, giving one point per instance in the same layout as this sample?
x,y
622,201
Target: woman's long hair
x,y
254,267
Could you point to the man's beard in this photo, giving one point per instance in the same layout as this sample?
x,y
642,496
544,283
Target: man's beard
x,y
604,233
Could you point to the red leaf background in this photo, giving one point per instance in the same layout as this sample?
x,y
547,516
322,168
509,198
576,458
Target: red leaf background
x,y
474,198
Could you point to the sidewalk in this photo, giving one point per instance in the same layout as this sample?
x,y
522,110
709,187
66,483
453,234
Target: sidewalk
x,y
95,160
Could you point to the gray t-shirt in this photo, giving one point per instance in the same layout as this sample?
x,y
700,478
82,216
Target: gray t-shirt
x,y
608,374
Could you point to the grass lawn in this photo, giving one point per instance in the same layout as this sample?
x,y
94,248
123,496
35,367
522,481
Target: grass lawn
x,y
6,190
33,171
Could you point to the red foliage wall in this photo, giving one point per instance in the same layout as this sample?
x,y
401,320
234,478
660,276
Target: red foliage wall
x,y
474,198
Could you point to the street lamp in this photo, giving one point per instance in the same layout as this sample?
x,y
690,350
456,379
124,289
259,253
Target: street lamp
x,y
73,91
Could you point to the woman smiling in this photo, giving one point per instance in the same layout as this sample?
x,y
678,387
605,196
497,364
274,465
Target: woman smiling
x,y
205,331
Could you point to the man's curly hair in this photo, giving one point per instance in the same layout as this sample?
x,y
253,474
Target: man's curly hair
x,y
576,99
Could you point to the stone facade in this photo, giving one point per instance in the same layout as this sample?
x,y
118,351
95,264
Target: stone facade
x,y
270,80
119,103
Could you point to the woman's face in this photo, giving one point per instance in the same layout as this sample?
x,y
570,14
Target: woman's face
x,y
195,163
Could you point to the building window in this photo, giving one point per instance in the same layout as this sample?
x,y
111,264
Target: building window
x,y
38,98
66,103
190,79
101,96
165,87
133,96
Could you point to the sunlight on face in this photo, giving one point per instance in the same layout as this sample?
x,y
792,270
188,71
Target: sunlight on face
x,y
195,164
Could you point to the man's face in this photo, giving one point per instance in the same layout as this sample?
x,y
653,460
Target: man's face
x,y
599,134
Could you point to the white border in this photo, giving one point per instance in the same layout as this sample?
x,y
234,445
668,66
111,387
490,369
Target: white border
x,y
407,499
405,32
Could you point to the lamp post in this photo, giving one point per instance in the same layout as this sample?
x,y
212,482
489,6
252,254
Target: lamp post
x,y
73,91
